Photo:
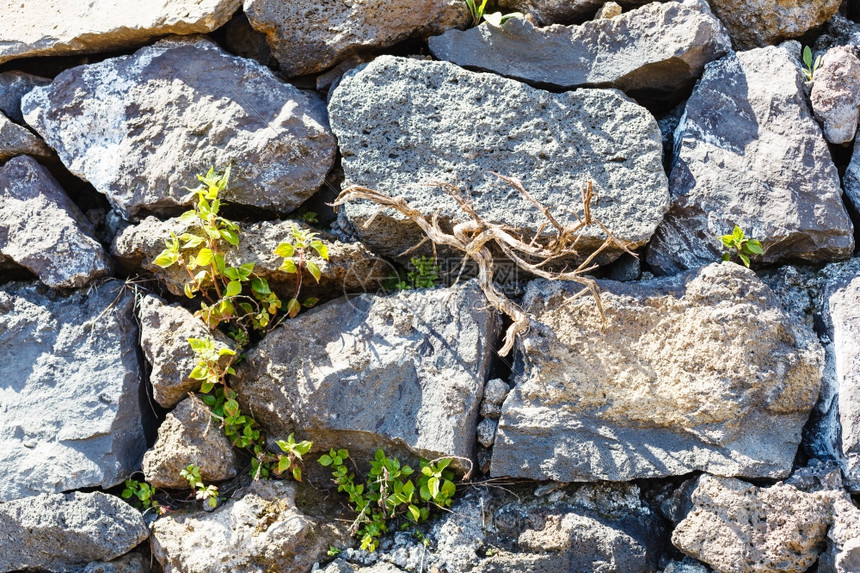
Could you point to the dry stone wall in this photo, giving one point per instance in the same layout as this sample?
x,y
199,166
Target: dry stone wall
x,y
705,417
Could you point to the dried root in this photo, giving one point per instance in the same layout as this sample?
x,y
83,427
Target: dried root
x,y
473,236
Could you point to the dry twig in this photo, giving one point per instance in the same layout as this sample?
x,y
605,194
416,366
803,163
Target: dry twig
x,y
473,237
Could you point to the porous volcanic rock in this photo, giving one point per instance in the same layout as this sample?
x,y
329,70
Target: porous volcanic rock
x,y
656,50
403,372
756,23
18,140
42,230
13,86
72,413
749,153
61,27
705,368
736,527
140,127
164,333
350,268
259,529
843,540
835,94
546,12
308,36
189,435
63,532
402,123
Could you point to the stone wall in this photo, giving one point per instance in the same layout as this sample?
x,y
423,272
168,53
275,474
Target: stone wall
x,y
703,417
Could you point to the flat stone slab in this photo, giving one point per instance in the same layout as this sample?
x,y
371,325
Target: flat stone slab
x,y
61,27
42,230
700,371
140,127
70,397
402,123
749,153
654,51
404,373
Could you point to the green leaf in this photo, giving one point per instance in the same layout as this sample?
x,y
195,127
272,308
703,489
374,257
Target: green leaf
x,y
283,464
206,387
738,234
727,257
745,259
165,259
728,241
297,473
310,302
190,241
753,247
321,249
325,460
204,257
219,263
807,56
260,285
414,513
433,486
314,270
233,288
442,464
285,250
448,489
230,236
288,266
200,372
293,307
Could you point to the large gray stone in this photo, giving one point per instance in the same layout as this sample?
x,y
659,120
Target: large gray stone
x,y
62,27
164,333
843,540
403,372
189,435
42,230
654,51
736,527
259,529
835,94
852,180
402,123
755,23
547,12
350,267
140,127
308,36
749,153
69,382
18,140
841,322
701,371
63,532
13,86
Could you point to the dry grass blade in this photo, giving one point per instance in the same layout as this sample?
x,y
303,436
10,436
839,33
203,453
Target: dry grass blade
x,y
475,236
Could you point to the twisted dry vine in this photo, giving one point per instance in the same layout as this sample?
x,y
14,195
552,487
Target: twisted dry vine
x,y
473,236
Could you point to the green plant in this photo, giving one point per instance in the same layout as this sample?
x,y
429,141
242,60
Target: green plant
x,y
295,256
295,451
477,8
202,491
425,274
143,496
388,493
333,551
810,66
739,245
310,217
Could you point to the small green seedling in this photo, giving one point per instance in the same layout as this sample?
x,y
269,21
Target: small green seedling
x,y
739,245
142,496
810,66
208,493
295,451
425,274
477,8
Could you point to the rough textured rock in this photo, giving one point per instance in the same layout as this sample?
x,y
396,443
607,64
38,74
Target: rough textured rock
x,y
841,321
749,153
403,372
140,127
71,415
654,51
164,333
400,125
546,12
13,86
755,23
42,230
736,527
308,36
487,432
18,140
59,531
852,180
189,435
129,563
838,31
706,368
350,268
495,392
259,529
61,27
836,94
843,540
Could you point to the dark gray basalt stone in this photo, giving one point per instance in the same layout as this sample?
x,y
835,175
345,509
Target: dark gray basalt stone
x,y
657,50
140,127
402,123
749,153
